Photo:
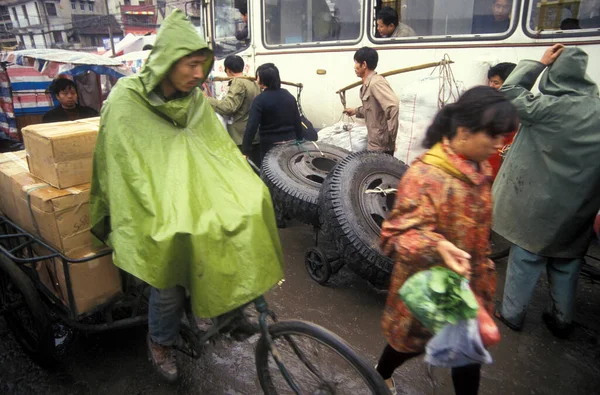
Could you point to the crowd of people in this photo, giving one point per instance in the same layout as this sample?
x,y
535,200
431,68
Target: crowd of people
x,y
544,198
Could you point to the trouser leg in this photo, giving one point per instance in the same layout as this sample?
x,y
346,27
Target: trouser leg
x,y
524,270
563,275
164,314
390,360
466,379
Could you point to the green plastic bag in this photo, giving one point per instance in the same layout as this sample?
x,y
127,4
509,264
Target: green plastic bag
x,y
438,297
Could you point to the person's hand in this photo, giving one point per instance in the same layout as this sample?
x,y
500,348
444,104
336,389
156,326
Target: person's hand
x,y
455,258
552,54
350,111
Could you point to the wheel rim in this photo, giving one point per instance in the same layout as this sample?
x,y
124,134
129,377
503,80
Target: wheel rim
x,y
312,168
337,374
316,264
17,313
375,207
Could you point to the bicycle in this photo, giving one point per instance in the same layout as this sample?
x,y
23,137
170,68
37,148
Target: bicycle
x,y
291,357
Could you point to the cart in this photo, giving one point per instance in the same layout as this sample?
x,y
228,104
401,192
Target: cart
x,y
296,355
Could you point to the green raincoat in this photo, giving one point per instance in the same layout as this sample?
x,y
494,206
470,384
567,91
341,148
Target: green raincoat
x,y
547,192
173,196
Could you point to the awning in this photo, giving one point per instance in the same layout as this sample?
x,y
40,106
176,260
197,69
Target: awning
x,y
53,62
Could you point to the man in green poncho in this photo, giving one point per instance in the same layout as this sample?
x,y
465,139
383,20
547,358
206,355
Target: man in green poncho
x,y
174,197
546,194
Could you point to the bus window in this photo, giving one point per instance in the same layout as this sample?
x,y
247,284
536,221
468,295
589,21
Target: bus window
x,y
549,17
311,21
421,18
231,29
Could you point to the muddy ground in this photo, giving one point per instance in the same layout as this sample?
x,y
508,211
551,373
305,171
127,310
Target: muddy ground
x,y
529,362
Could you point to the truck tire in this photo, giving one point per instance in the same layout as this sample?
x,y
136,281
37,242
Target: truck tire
x,y
294,174
354,217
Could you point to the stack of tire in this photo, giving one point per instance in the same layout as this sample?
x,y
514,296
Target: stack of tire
x,y
346,196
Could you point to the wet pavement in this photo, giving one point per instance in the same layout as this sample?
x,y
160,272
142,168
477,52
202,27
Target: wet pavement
x,y
529,362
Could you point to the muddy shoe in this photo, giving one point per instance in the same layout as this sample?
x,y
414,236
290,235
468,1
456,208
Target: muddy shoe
x,y
558,329
163,359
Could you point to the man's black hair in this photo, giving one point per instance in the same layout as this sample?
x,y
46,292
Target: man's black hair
x,y
369,55
502,70
388,16
234,63
60,85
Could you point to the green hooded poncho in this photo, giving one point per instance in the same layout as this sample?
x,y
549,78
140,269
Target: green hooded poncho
x,y
173,196
547,192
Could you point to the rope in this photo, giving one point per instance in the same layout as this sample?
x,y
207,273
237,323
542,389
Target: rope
x,y
379,190
347,127
301,144
319,149
448,88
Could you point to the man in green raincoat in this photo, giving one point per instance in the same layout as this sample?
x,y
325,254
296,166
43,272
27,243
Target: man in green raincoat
x,y
547,192
174,197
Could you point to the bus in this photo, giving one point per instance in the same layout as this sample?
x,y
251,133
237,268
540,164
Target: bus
x,y
313,41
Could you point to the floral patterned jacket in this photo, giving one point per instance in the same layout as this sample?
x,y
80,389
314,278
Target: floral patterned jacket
x,y
441,197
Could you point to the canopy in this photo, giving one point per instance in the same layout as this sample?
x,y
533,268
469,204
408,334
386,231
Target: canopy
x,y
53,62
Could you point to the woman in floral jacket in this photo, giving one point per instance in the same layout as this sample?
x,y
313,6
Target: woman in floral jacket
x,y
442,216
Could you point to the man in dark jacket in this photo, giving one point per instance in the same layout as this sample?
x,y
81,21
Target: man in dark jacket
x,y
546,193
65,92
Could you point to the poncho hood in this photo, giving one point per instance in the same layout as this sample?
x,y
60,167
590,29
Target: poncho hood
x,y
176,38
567,76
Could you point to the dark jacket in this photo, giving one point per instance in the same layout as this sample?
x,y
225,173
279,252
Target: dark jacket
x,y
275,113
483,24
59,114
546,193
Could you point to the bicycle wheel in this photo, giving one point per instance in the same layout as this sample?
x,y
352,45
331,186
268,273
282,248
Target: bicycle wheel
x,y
25,314
318,361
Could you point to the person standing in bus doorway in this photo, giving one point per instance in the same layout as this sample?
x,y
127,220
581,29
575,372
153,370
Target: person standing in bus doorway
x,y
496,22
380,106
244,34
546,193
388,24
236,104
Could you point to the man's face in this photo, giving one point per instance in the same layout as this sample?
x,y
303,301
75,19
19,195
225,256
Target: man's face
x,y
501,9
187,73
495,82
385,30
245,18
360,69
67,98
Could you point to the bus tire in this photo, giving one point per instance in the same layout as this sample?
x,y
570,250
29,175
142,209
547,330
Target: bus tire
x,y
354,217
294,174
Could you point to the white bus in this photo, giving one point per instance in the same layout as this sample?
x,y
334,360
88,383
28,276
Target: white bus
x,y
313,41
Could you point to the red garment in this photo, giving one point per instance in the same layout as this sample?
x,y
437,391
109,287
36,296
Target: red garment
x,y
496,159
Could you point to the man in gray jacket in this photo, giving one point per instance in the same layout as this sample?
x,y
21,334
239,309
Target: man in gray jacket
x,y
547,192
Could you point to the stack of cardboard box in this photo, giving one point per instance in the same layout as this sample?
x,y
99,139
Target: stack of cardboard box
x,y
45,190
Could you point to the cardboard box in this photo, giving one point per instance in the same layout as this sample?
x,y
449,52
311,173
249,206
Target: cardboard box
x,y
11,163
61,153
93,283
59,216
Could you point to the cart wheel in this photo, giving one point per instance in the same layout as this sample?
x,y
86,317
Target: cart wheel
x,y
25,314
317,264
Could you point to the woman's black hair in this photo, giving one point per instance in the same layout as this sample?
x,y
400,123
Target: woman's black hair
x,y
480,109
269,76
